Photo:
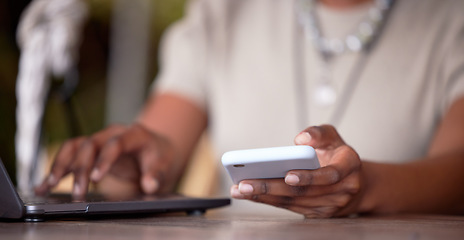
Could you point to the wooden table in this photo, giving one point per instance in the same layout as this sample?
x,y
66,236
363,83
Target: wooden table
x,y
221,224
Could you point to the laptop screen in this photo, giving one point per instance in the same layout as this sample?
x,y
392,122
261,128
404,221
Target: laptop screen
x,y
11,205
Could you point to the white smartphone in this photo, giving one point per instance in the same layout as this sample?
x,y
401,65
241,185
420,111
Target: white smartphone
x,y
272,162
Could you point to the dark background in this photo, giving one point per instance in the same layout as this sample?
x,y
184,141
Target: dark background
x,y
89,98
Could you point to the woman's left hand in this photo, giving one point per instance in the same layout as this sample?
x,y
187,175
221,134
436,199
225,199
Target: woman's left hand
x,y
334,189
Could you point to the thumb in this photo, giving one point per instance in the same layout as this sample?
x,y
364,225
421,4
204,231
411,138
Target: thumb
x,y
324,136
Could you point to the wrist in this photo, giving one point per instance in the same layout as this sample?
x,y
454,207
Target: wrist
x,y
379,194
361,201
367,202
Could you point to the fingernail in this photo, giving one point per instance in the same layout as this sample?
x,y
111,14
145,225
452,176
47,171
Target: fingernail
x,y
149,185
292,179
52,180
77,190
95,175
303,138
245,188
235,193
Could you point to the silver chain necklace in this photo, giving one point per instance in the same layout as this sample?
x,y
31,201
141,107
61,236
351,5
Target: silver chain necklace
x,y
325,93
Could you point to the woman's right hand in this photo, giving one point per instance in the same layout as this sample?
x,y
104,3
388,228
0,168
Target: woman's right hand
x,y
131,154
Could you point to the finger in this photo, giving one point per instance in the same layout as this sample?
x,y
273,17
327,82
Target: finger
x,y
324,176
278,187
81,167
343,162
324,136
151,171
154,162
235,192
61,166
304,205
132,142
100,139
63,160
85,159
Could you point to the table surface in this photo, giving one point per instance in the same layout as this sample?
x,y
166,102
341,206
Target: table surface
x,y
222,224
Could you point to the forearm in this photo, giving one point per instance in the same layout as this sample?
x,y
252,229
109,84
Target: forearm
x,y
432,185
178,120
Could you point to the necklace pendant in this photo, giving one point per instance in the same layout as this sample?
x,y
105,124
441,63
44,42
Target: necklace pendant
x,y
325,95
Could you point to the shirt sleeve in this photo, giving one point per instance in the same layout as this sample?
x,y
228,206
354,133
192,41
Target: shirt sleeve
x,y
183,57
452,67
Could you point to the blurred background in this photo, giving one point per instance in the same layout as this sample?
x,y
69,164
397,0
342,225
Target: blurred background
x,y
96,66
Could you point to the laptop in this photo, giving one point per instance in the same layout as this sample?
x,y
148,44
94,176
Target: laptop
x,y
13,208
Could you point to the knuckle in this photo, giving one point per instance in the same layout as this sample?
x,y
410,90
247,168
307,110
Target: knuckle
x,y
327,127
58,167
67,148
351,184
306,179
88,144
255,198
264,188
151,153
286,202
68,143
117,126
342,200
140,130
113,142
80,169
136,128
299,190
334,176
86,151
353,187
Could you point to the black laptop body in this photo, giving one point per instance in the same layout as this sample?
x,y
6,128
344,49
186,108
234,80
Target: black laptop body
x,y
12,207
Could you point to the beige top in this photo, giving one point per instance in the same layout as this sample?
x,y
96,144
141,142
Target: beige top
x,y
238,60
